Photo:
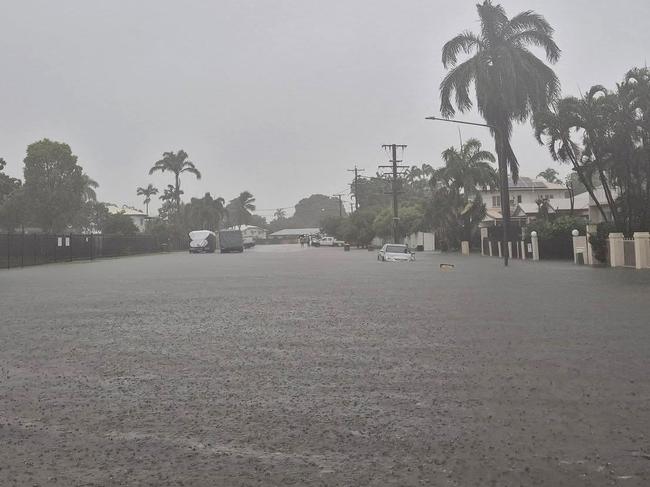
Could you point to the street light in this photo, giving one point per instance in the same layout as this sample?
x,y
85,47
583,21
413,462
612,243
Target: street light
x,y
503,180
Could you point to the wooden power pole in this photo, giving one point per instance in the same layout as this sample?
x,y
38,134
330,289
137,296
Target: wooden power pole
x,y
356,172
394,167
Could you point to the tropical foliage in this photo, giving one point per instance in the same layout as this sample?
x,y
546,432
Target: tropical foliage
x,y
605,136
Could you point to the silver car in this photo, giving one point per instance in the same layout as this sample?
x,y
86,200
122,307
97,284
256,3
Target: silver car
x,y
395,253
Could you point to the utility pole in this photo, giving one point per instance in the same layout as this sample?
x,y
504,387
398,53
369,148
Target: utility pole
x,y
356,172
340,204
395,190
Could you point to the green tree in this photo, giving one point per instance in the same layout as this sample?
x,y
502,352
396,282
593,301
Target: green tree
x,y
550,175
54,184
509,81
205,213
91,217
119,224
147,192
412,219
7,183
309,212
176,163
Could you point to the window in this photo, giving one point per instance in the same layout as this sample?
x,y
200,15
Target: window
x,y
518,198
496,201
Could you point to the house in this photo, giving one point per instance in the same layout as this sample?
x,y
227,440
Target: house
x,y
138,217
291,235
251,231
525,190
524,208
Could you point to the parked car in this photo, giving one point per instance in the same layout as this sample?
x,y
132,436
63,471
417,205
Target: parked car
x,y
395,253
330,242
231,241
202,241
249,242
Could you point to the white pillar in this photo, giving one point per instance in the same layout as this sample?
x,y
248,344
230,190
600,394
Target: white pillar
x,y
484,235
510,249
499,245
534,239
579,246
523,250
464,247
490,247
616,251
591,229
642,249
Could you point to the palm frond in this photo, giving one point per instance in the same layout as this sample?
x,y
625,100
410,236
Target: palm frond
x,y
457,82
528,20
539,39
466,42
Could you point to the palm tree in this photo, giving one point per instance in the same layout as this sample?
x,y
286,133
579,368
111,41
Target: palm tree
x,y
280,214
553,128
89,187
468,168
510,82
242,206
147,192
457,184
177,164
549,175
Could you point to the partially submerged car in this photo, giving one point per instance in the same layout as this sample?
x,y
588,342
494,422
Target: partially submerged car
x,y
202,241
395,253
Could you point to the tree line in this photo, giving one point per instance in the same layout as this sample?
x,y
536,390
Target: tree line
x,y
56,196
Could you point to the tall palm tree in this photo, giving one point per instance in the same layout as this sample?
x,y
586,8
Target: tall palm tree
x,y
89,187
510,82
280,214
147,192
176,163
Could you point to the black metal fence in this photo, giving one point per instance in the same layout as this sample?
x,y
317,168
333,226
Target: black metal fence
x,y
19,249
556,248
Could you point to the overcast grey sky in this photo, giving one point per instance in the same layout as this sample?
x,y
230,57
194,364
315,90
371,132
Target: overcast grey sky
x,y
277,97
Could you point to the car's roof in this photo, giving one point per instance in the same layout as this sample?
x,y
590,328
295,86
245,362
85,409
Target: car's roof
x,y
395,245
200,234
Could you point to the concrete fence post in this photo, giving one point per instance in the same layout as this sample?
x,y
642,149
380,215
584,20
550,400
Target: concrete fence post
x,y
464,247
484,236
500,250
523,250
490,247
534,240
579,247
642,249
616,251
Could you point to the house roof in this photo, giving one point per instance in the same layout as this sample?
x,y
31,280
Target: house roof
x,y
247,227
529,183
126,210
294,232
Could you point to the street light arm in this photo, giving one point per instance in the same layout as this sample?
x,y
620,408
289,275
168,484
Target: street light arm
x,y
463,123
